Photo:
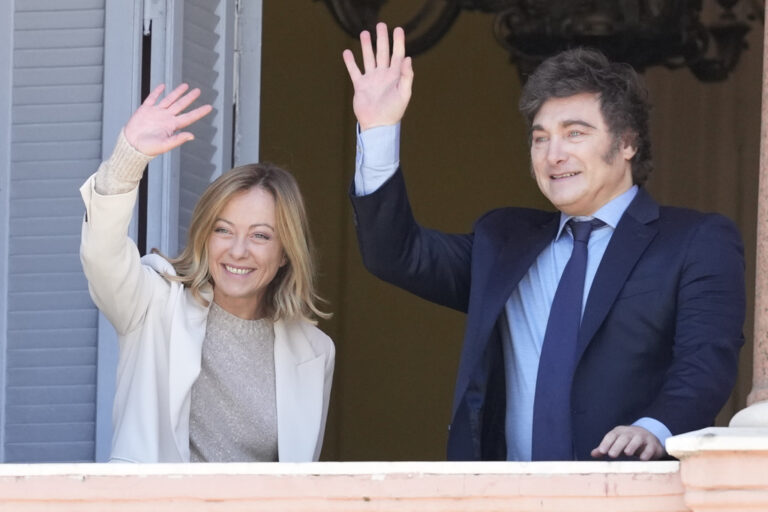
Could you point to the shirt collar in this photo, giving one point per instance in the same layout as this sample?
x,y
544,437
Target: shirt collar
x,y
610,213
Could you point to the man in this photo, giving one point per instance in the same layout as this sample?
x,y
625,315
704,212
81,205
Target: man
x,y
598,330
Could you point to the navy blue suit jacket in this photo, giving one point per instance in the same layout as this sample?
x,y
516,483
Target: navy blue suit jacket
x,y
661,330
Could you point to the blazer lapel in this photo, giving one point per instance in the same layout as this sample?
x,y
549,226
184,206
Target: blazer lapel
x,y
505,270
513,261
185,349
632,236
299,377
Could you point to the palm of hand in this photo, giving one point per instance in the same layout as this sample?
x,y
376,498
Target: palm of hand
x,y
382,92
379,97
152,129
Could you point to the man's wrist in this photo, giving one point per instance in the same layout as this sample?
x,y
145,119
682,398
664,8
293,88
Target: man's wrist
x,y
378,156
655,427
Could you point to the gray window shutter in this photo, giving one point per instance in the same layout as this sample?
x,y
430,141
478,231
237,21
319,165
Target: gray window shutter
x,y
207,57
56,143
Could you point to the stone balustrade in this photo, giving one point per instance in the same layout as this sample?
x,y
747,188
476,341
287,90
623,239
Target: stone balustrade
x,y
331,487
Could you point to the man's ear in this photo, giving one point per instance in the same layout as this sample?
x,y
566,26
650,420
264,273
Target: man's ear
x,y
628,147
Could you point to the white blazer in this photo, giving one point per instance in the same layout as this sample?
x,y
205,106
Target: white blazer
x,y
161,329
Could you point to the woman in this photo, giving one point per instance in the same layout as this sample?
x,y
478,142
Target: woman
x,y
219,359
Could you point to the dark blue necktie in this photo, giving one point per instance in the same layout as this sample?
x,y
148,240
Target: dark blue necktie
x,y
552,437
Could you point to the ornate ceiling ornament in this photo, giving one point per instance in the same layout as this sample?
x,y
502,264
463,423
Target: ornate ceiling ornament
x,y
706,36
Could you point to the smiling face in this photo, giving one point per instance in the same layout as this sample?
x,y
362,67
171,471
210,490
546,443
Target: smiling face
x,y
576,160
244,252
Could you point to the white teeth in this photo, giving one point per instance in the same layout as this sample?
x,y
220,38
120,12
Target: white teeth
x,y
239,271
564,175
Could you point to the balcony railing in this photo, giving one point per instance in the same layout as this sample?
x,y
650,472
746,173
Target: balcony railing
x,y
338,486
720,469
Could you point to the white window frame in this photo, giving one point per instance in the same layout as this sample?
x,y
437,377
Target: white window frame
x,y
247,78
163,177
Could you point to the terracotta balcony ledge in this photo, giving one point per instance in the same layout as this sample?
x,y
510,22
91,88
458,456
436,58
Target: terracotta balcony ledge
x,y
723,468
345,486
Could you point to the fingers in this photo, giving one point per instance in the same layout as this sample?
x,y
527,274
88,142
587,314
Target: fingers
x,y
352,69
613,444
177,140
629,440
406,77
182,103
152,127
184,120
398,44
633,444
647,453
382,45
176,101
172,96
383,85
369,61
152,97
619,445
605,444
653,450
381,58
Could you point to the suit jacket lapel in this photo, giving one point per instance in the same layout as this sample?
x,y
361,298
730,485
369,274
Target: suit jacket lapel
x,y
632,236
506,269
515,258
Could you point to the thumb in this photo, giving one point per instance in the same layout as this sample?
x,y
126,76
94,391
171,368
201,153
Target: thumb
x,y
406,77
179,139
169,143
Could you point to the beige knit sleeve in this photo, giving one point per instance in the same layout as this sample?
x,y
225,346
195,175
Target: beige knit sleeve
x,y
123,171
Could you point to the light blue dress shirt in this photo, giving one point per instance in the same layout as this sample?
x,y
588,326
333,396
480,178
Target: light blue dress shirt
x,y
527,310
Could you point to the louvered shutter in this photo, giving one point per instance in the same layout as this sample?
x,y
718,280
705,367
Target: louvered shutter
x,y
57,354
207,56
56,143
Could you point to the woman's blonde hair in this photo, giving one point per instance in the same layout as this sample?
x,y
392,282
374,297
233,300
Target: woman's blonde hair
x,y
292,291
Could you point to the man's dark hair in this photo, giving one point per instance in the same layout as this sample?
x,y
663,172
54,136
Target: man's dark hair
x,y
623,98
